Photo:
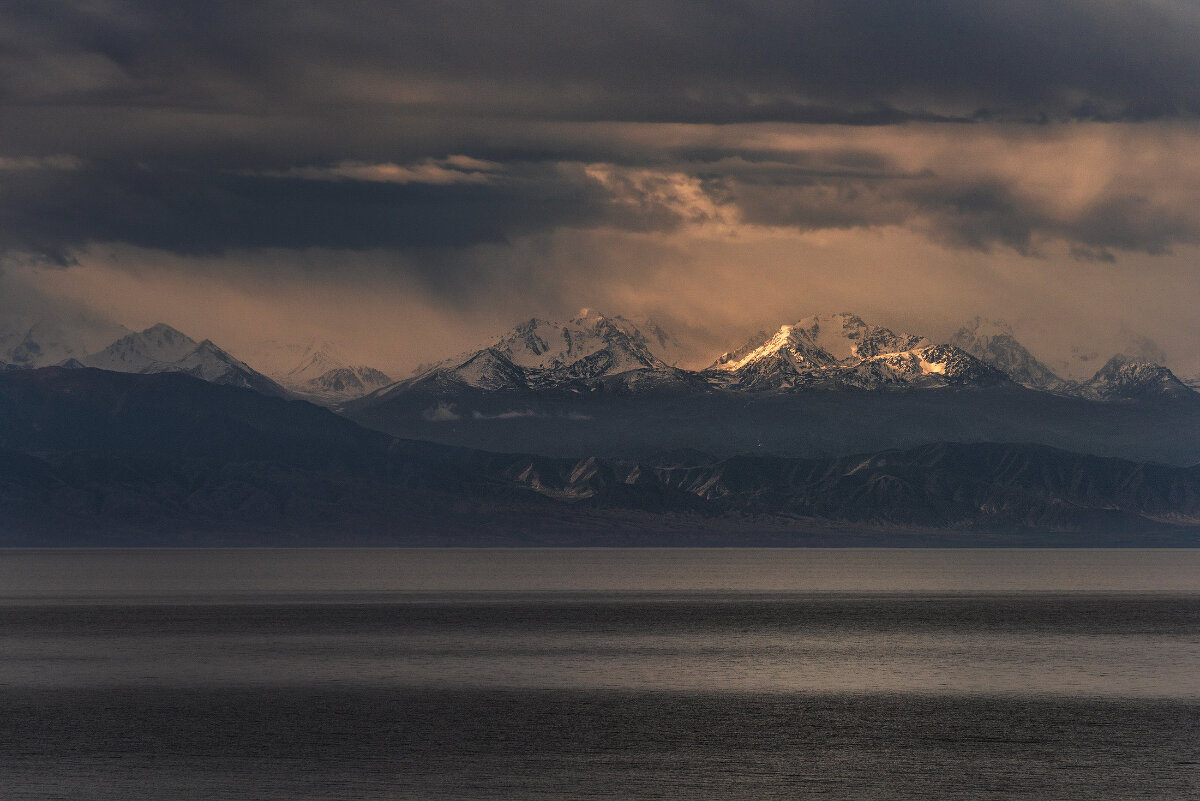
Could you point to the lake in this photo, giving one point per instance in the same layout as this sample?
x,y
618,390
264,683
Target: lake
x,y
622,673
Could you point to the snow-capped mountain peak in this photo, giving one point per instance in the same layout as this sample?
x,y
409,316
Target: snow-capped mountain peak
x,y
1125,378
547,345
847,337
547,353
163,349
820,341
791,343
843,350
141,351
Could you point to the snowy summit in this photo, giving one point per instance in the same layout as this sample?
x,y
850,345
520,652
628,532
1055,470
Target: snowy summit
x,y
843,350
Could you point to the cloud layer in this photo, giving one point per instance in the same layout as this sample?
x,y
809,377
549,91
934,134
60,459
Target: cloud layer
x,y
464,149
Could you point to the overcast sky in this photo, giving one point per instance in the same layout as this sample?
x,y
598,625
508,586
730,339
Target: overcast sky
x,y
409,178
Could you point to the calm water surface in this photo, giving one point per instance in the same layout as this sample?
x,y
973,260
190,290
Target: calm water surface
x,y
665,674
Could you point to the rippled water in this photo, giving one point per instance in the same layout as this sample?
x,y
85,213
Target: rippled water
x,y
725,674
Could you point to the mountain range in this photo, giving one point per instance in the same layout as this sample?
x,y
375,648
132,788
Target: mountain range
x,y
584,432
823,352
314,372
824,385
827,352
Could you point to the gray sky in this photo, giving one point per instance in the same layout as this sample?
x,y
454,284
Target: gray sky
x,y
409,179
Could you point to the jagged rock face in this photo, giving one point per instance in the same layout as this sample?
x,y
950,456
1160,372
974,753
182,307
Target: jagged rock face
x,y
993,342
1123,378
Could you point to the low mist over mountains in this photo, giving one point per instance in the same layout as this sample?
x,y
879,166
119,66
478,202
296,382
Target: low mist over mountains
x,y
994,343
1121,377
318,371
43,342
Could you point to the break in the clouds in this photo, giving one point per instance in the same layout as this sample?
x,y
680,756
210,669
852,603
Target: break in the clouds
x,y
461,147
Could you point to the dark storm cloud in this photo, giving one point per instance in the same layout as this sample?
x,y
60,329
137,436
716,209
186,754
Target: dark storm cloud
x,y
868,61
193,212
974,214
201,212
988,214
1133,222
201,127
51,209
